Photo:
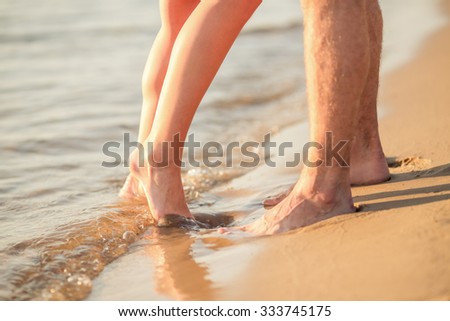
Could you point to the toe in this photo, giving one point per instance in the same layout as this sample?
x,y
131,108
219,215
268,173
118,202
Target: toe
x,y
274,200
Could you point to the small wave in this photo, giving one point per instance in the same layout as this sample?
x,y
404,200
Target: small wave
x,y
61,265
198,180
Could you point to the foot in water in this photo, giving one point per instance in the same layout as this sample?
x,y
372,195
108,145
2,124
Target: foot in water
x,y
131,190
160,186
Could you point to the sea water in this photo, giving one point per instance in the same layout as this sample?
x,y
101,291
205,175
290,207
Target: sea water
x,y
69,83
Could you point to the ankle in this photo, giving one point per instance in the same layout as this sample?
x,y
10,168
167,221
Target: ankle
x,y
164,153
151,165
369,148
325,185
169,173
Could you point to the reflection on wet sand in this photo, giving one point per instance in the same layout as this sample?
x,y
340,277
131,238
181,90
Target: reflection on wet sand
x,y
175,252
177,274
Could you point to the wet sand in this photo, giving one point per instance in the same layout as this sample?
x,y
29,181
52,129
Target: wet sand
x,y
395,248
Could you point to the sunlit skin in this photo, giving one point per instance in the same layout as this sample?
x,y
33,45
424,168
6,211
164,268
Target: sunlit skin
x,y
368,164
342,56
342,53
193,41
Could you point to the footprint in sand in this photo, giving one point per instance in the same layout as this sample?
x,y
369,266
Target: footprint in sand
x,y
405,165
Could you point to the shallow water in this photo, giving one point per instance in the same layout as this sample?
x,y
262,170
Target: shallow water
x,y
69,82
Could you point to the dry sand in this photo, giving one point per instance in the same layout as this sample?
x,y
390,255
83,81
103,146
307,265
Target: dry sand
x,y
396,248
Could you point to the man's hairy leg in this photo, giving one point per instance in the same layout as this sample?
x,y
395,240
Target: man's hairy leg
x,y
337,60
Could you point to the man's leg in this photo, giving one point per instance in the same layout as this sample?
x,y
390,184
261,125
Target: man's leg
x,y
337,57
367,157
198,52
173,16
368,160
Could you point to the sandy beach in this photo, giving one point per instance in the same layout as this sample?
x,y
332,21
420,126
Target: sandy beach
x,y
395,248
66,235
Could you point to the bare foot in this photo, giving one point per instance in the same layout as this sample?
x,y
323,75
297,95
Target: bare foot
x,y
303,207
274,200
131,190
162,187
363,171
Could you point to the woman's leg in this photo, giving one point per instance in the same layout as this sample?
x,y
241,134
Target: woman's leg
x,y
174,14
198,52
